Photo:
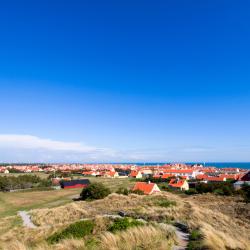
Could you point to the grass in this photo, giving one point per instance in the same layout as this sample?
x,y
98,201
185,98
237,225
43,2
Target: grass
x,y
144,237
12,202
40,174
224,223
123,224
78,229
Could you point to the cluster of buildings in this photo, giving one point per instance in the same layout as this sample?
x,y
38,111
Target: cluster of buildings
x,y
179,175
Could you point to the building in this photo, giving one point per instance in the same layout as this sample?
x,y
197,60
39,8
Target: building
x,y
111,174
245,179
178,183
81,183
146,188
136,174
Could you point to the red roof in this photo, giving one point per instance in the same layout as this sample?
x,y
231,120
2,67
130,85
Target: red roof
x,y
201,176
176,183
246,177
133,173
179,171
146,188
230,176
111,173
214,178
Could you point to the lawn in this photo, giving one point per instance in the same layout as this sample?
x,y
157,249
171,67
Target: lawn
x,y
12,202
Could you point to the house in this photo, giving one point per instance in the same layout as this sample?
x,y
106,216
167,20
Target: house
x,y
214,179
189,173
178,183
111,174
136,174
146,188
245,179
81,183
89,173
207,178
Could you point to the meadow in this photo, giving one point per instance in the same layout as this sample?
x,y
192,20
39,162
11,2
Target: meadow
x,y
222,223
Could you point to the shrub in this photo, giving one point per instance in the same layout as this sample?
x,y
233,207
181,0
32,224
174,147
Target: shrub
x,y
75,230
95,191
166,203
137,192
245,190
191,191
195,240
220,188
218,191
123,224
123,191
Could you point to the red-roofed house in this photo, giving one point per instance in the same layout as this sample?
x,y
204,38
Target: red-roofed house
x,y
181,184
111,174
246,177
146,188
163,176
135,174
214,179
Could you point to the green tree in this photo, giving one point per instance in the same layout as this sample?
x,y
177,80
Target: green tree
x,y
95,191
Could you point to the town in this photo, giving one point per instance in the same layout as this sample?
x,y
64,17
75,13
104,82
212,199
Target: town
x,y
179,176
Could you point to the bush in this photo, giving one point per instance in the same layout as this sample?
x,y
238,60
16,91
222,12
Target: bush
x,y
195,240
25,181
123,191
95,191
245,190
220,188
191,191
123,224
166,203
75,230
137,192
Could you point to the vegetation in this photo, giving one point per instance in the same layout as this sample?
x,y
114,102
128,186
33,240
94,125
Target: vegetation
x,y
195,240
123,224
143,237
8,183
215,222
126,191
219,188
76,230
165,203
245,192
95,191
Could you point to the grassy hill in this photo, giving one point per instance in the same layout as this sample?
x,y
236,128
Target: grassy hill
x,y
214,222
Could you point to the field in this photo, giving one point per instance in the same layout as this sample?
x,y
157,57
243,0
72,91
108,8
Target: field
x,y
224,222
12,202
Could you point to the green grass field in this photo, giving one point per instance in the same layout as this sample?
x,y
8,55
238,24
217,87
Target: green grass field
x,y
12,202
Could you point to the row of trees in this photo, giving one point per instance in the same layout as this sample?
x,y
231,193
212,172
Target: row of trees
x,y
8,183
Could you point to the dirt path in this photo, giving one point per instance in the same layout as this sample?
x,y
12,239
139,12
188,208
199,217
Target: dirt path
x,y
182,239
26,219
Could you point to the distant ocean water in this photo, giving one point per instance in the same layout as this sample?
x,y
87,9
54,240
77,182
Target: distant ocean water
x,y
244,165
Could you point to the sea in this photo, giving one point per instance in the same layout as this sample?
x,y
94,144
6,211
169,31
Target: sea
x,y
243,165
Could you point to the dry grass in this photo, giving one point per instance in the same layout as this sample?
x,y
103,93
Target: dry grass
x,y
224,222
146,237
134,205
222,228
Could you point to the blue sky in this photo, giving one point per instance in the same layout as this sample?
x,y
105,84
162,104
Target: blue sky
x,y
122,81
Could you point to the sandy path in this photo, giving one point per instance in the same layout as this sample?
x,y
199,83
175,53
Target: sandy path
x,y
26,219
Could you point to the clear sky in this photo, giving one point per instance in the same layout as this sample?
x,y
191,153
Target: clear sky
x,y
119,81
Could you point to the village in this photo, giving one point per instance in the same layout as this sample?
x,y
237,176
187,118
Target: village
x,y
176,176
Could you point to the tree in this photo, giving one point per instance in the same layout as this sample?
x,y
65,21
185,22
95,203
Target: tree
x,y
246,192
95,191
